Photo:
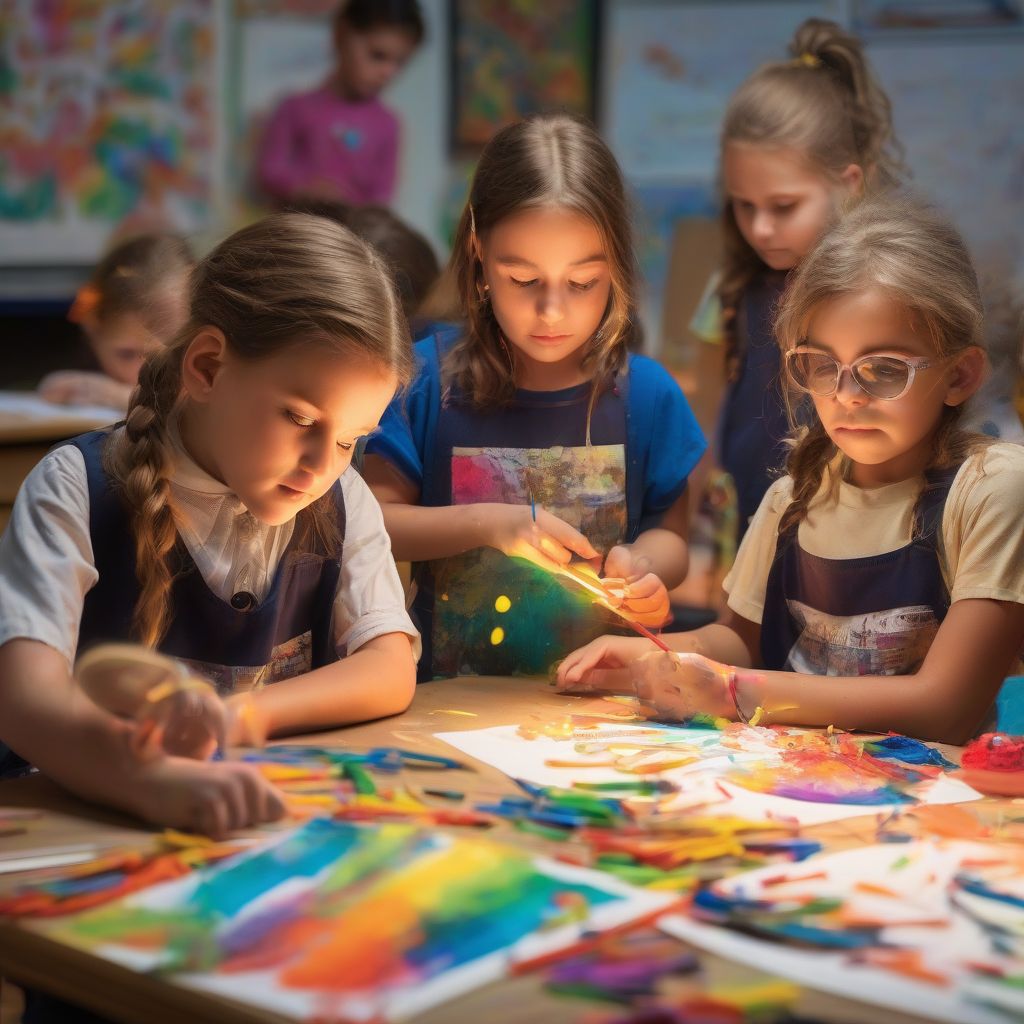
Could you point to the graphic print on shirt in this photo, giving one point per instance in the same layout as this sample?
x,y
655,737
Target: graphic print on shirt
x,y
542,619
889,642
289,659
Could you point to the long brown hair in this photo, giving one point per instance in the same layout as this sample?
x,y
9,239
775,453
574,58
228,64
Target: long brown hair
x,y
825,103
902,247
288,280
547,160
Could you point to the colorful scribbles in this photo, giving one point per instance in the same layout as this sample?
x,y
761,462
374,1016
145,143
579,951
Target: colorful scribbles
x,y
108,115
372,921
915,927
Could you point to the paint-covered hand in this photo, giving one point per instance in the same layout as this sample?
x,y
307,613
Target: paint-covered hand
x,y
189,721
679,686
643,594
602,666
548,541
212,798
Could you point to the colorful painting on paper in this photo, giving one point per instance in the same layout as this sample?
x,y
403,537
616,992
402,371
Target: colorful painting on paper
x,y
357,923
108,120
932,928
512,58
757,774
545,618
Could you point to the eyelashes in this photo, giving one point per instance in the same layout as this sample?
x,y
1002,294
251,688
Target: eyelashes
x,y
576,286
304,423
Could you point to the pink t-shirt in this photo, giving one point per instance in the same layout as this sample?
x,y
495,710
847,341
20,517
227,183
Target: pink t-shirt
x,y
318,137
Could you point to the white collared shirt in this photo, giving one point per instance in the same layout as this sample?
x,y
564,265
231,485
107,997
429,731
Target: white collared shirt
x,y
47,565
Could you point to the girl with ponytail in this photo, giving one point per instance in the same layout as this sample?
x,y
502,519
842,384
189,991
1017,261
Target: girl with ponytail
x,y
220,524
800,139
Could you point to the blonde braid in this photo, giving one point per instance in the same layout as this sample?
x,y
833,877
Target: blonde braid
x,y
811,453
140,462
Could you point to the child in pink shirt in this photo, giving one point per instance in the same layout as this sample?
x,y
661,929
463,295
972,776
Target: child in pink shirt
x,y
339,141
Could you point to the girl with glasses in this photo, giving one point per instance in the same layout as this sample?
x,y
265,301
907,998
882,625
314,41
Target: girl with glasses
x,y
888,559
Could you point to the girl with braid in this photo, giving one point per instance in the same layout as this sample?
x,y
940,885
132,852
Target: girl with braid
x,y
220,524
879,586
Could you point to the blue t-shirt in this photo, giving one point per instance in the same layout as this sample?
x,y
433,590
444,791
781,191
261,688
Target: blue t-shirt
x,y
483,613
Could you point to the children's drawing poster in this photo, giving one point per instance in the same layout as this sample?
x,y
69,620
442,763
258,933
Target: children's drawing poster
x,y
357,923
929,928
109,119
756,774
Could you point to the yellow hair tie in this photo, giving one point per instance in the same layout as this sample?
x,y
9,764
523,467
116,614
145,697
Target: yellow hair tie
x,y
808,60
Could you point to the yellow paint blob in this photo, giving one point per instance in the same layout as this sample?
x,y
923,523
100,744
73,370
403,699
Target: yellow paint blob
x,y
502,604
497,635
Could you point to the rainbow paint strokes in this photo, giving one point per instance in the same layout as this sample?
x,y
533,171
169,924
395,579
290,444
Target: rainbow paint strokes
x,y
358,922
932,927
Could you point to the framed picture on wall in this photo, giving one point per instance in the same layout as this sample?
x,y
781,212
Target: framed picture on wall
x,y
511,58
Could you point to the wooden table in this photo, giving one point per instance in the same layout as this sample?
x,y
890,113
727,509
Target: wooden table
x,y
25,440
28,957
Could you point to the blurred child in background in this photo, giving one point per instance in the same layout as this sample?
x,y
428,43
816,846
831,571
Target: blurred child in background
x,y
340,141
135,301
799,139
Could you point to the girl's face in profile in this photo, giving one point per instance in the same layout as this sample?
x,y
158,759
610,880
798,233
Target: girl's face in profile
x,y
886,439
549,283
278,431
781,203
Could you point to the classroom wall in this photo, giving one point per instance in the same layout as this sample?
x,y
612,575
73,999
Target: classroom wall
x,y
666,70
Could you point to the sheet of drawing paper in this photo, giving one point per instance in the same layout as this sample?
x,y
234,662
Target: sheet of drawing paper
x,y
358,922
719,760
896,883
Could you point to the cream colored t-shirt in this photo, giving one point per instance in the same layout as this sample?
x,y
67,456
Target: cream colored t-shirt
x,y
981,543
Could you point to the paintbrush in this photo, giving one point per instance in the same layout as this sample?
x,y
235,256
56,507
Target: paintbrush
x,y
599,590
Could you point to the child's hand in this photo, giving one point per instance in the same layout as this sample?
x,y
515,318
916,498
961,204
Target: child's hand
x,y
602,665
679,686
549,542
643,594
189,721
75,387
212,798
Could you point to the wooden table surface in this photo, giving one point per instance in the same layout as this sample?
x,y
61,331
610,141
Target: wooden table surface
x,y
28,957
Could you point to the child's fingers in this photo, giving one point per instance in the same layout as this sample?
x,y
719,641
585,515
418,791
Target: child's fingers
x,y
212,818
566,535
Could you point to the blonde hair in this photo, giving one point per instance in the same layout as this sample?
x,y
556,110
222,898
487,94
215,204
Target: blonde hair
x,y
920,261
545,161
826,104
291,280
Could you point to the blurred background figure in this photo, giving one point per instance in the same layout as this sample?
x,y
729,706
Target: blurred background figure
x,y
340,141
135,301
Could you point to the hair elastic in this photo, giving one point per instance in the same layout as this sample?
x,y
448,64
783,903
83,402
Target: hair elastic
x,y
808,60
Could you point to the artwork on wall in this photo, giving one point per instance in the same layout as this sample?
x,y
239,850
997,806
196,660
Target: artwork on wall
x,y
109,121
511,58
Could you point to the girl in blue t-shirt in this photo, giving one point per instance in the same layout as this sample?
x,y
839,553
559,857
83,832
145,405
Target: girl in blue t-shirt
x,y
533,431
